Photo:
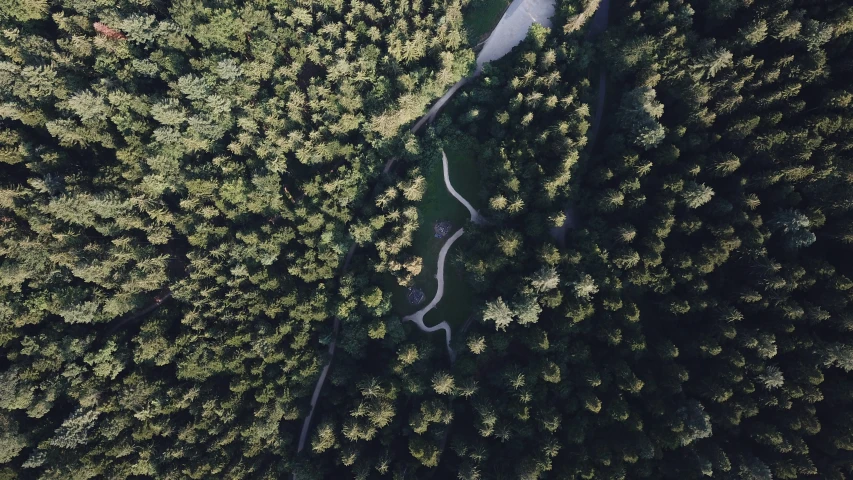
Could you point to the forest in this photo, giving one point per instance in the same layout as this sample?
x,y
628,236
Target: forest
x,y
229,249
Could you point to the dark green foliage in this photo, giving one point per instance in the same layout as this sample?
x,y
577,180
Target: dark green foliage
x,y
181,182
698,315
178,183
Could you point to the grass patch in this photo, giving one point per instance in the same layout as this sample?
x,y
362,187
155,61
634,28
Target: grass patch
x,y
481,17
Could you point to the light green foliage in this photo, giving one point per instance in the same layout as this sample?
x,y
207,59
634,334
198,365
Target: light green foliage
x,y
585,288
477,345
75,430
497,311
639,113
105,362
179,185
443,383
695,195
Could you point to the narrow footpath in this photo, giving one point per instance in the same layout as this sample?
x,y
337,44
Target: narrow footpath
x,y
513,27
509,32
418,317
475,215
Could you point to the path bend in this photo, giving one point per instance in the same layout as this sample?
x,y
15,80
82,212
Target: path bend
x,y
418,317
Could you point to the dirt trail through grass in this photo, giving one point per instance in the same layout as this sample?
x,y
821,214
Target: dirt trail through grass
x,y
475,215
418,317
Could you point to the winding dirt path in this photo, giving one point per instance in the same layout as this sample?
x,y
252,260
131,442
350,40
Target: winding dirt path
x,y
475,215
418,317
509,32
559,233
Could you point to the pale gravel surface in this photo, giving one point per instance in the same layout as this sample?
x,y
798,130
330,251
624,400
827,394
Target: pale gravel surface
x,y
513,27
418,317
508,33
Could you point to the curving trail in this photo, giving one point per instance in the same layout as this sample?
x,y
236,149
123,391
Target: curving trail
x,y
475,215
418,317
513,27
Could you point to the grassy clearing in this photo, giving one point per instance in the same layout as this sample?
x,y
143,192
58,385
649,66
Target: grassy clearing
x,y
482,16
458,301
438,205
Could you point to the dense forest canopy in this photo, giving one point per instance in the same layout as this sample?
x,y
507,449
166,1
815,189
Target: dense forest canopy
x,y
211,213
